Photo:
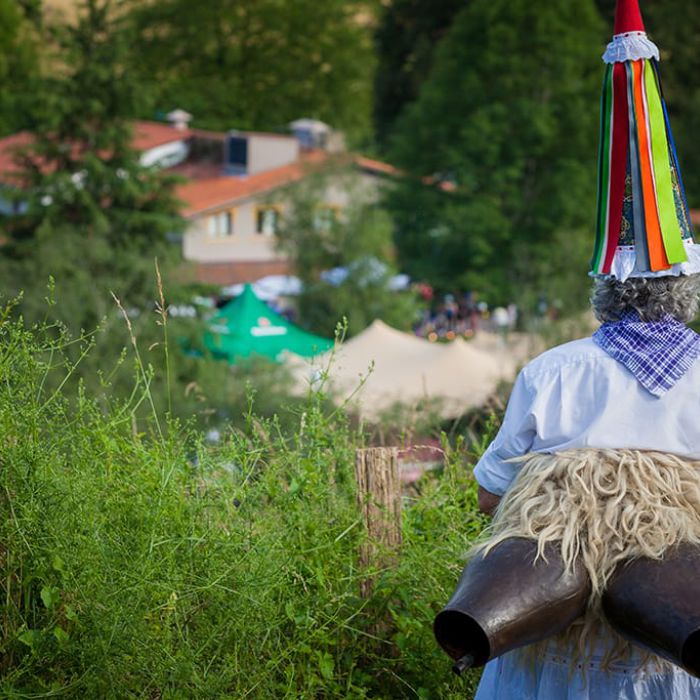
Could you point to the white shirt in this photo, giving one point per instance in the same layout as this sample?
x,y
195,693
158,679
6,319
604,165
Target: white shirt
x,y
575,396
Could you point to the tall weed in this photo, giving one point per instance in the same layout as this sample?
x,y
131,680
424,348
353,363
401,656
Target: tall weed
x,y
138,561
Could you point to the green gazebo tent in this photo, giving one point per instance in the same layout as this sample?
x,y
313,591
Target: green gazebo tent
x,y
247,326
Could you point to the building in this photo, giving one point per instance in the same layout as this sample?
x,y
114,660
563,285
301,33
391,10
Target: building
x,y
236,187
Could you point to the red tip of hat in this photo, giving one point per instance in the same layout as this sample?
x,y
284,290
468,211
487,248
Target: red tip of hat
x,y
628,17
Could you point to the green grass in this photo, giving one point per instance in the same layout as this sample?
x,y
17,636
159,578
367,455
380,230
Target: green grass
x,y
136,561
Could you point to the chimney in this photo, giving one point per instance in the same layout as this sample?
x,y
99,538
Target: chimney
x,y
179,119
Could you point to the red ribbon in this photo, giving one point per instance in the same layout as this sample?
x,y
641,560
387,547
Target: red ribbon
x,y
618,166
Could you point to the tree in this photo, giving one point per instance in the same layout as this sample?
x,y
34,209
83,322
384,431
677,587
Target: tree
x,y
95,218
81,170
356,239
258,65
408,33
19,66
500,150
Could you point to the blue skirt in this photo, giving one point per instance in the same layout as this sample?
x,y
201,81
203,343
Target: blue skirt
x,y
550,678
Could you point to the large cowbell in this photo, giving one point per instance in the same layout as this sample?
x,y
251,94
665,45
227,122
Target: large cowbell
x,y
656,604
509,599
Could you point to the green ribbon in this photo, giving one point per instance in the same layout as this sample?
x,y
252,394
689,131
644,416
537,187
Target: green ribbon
x,y
670,227
603,170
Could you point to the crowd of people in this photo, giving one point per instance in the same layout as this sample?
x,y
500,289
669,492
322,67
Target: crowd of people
x,y
464,315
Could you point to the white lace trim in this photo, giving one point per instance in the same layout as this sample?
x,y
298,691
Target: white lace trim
x,y
625,261
630,47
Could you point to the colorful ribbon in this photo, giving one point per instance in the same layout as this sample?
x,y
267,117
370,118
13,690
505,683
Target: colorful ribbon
x,y
637,156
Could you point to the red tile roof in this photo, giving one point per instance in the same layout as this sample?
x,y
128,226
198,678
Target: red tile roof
x,y
376,166
207,189
194,170
214,192
380,168
147,135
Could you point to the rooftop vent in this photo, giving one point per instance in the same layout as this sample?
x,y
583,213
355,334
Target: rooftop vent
x,y
179,119
311,133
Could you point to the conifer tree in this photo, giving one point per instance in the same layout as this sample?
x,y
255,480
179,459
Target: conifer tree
x,y
408,33
93,217
81,170
500,149
18,68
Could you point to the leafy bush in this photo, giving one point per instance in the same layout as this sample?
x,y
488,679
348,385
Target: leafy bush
x,y
136,561
94,336
356,239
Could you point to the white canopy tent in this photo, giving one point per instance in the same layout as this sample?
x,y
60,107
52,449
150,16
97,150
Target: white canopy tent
x,y
385,366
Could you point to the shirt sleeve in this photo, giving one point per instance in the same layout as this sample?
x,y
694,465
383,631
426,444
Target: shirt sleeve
x,y
514,439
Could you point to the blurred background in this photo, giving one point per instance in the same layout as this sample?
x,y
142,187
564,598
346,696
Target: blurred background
x,y
427,165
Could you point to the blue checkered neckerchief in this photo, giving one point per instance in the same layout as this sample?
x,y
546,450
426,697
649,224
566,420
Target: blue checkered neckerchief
x,y
657,353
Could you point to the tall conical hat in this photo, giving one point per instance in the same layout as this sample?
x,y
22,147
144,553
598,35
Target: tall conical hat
x,y
643,224
628,17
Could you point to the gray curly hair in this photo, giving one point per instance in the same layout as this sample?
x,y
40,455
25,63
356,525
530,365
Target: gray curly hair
x,y
652,298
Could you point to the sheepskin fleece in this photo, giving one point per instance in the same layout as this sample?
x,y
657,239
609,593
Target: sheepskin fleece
x,y
603,507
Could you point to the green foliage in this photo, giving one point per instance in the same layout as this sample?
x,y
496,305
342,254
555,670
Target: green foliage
x,y
508,119
146,564
509,116
96,220
358,238
19,66
81,172
260,65
187,385
406,38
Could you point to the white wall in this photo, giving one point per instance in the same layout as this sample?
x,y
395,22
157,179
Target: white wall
x,y
269,152
245,244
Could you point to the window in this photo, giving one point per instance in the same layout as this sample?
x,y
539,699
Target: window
x,y
220,225
237,154
268,219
